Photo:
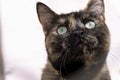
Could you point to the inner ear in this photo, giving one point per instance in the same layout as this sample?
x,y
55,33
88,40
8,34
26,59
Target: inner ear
x,y
46,16
97,8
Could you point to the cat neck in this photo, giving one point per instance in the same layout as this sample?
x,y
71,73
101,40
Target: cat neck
x,y
94,72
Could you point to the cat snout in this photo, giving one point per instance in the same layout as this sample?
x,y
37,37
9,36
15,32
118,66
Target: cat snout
x,y
78,33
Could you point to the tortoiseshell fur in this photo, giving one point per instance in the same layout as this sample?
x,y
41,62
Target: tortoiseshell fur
x,y
80,53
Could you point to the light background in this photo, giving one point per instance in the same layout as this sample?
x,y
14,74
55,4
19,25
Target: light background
x,y
23,39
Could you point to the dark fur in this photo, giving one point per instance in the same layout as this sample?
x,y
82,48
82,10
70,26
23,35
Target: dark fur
x,y
80,53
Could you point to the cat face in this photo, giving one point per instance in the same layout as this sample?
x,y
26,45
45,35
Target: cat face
x,y
77,39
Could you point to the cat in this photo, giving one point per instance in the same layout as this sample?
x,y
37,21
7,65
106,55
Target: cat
x,y
77,43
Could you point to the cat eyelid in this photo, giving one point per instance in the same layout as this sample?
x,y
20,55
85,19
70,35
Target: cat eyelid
x,y
85,20
63,26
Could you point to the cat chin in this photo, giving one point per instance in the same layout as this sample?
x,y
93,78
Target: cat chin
x,y
80,65
66,69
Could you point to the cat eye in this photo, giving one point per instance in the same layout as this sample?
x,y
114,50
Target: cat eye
x,y
62,30
90,25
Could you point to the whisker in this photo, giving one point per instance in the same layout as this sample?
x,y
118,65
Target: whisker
x,y
61,66
66,56
88,55
63,62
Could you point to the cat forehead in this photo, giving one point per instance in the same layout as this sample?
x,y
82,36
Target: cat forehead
x,y
73,16
73,19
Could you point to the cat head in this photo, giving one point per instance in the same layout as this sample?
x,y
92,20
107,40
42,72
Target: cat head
x,y
75,39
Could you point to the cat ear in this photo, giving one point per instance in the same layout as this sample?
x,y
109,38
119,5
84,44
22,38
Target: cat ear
x,y
46,16
97,8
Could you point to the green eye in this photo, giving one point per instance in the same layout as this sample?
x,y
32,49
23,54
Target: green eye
x,y
90,25
62,30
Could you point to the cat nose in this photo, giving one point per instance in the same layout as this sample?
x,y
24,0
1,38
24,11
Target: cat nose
x,y
78,33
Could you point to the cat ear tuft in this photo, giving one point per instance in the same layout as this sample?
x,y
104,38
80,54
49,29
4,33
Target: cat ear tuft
x,y
46,16
96,7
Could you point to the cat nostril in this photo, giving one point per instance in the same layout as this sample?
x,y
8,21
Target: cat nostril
x,y
78,32
81,33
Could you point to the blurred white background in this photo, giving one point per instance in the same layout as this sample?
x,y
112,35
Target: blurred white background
x,y
23,39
